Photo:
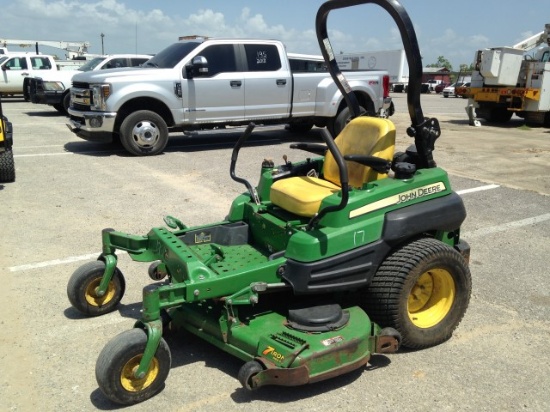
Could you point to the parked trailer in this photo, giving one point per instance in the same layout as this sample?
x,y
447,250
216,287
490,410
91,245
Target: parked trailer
x,y
393,61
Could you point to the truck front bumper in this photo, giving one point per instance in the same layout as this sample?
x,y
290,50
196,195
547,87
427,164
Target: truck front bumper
x,y
50,98
93,126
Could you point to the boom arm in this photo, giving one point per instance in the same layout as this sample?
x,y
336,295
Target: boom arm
x,y
536,40
74,48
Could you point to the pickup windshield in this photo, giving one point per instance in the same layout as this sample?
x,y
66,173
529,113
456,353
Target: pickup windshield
x,y
172,55
91,64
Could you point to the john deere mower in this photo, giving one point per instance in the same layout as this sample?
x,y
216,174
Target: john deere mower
x,y
286,281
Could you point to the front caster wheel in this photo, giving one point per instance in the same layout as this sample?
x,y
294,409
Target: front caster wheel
x,y
81,289
247,372
116,365
422,290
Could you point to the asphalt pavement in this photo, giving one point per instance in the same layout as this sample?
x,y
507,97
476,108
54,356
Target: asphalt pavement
x,y
67,190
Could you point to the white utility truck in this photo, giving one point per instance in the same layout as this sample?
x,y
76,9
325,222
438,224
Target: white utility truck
x,y
507,81
53,88
15,67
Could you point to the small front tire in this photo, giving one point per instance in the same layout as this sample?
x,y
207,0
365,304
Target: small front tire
x,y
81,289
247,372
118,362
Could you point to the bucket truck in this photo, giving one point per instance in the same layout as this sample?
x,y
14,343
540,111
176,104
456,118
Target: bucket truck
x,y
74,49
506,81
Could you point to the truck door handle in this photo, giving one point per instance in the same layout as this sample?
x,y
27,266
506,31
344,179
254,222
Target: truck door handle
x,y
281,82
235,83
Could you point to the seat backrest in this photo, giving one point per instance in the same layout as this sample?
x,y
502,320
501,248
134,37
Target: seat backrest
x,y
367,136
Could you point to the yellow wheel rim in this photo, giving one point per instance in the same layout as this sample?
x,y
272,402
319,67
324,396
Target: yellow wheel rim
x,y
91,296
431,298
133,384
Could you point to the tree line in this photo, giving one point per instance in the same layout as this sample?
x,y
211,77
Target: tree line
x,y
443,62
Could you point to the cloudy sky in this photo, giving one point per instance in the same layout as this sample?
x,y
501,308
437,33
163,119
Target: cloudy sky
x,y
444,28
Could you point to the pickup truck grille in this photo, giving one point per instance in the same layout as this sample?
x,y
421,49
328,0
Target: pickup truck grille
x,y
38,86
81,96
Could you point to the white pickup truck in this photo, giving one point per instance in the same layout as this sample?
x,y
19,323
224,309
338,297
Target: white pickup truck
x,y
207,83
15,67
53,88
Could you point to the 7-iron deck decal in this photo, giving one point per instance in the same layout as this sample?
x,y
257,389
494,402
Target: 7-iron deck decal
x,y
399,198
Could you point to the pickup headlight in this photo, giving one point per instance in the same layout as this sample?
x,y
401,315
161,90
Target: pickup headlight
x,y
53,86
100,93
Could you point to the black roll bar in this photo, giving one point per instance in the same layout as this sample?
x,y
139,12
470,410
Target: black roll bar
x,y
425,131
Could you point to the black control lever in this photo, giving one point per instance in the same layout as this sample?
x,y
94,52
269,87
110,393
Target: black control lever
x,y
316,148
235,155
376,163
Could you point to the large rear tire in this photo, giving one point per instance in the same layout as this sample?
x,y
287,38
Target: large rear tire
x,y
7,166
422,290
118,361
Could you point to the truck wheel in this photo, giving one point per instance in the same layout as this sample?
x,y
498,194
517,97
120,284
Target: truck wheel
x,y
341,120
144,133
63,107
500,115
83,283
495,114
422,290
66,102
7,166
118,361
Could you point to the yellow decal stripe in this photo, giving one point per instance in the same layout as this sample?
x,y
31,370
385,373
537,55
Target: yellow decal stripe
x,y
403,197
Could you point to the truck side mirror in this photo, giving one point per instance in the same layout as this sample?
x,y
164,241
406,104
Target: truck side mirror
x,y
197,67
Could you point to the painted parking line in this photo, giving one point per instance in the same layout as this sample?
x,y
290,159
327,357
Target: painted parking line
x,y
54,262
506,226
477,189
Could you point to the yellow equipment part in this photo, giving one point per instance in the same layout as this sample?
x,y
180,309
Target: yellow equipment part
x,y
369,136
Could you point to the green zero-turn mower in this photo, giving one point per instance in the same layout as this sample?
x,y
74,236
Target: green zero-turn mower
x,y
286,281
7,165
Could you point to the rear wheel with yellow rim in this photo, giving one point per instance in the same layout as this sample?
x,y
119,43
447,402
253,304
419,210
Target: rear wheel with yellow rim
x,y
422,290
118,362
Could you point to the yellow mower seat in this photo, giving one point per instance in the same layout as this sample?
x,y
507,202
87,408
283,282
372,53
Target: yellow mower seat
x,y
368,136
